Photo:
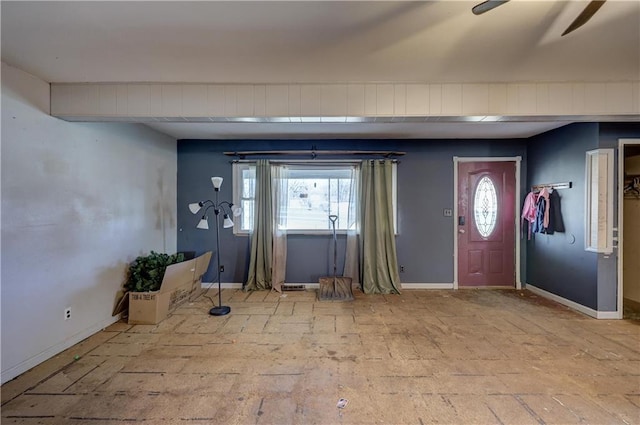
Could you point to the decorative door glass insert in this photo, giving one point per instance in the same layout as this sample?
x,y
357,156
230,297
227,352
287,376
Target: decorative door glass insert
x,y
485,206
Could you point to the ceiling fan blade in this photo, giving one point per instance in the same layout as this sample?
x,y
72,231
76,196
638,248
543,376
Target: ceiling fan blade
x,y
486,6
584,16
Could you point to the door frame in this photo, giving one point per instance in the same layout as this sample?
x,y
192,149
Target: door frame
x,y
620,228
457,160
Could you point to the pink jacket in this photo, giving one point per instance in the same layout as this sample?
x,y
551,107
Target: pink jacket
x,y
528,212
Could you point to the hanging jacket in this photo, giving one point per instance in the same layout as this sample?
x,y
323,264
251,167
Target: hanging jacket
x,y
541,208
528,213
555,215
544,194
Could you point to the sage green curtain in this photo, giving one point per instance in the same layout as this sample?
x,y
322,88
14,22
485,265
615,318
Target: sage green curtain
x,y
352,254
280,187
260,262
379,263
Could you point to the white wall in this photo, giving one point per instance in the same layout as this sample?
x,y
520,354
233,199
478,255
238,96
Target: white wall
x,y
79,202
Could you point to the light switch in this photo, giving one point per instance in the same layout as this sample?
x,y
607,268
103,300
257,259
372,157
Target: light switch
x,y
448,212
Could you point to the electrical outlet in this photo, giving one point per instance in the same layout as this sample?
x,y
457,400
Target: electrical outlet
x,y
222,269
67,313
447,212
401,269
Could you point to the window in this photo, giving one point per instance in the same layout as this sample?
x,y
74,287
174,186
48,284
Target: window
x,y
485,207
599,201
311,194
244,192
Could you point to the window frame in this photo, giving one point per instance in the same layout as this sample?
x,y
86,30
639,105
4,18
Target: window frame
x,y
240,166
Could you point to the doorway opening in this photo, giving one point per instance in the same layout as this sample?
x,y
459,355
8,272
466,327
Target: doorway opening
x,y
628,228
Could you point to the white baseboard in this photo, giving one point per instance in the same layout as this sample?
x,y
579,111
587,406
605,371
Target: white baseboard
x,y
306,285
572,304
34,361
214,285
609,315
235,285
309,285
427,285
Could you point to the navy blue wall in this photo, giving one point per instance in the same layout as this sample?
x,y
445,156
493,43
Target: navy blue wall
x,y
611,132
558,263
425,188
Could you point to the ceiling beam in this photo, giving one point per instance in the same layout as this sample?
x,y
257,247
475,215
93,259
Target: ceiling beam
x,y
381,102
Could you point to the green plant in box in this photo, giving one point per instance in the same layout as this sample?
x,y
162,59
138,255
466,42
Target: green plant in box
x,y
146,272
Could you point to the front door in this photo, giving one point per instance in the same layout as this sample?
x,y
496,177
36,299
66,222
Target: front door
x,y
486,223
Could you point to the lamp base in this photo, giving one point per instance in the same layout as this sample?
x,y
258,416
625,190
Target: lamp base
x,y
220,310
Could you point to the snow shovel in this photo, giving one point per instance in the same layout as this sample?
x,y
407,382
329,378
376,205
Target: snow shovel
x,y
335,288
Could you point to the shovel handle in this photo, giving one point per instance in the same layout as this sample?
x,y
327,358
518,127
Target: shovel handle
x,y
333,219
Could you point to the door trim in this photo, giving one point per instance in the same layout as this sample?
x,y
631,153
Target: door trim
x,y
620,228
517,241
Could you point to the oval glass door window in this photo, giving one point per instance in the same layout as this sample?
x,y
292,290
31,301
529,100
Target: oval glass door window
x,y
485,206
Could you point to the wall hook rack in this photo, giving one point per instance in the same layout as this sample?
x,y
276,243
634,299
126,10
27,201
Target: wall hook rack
x,y
554,186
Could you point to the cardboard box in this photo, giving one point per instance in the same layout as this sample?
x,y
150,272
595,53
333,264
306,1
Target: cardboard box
x,y
202,264
179,284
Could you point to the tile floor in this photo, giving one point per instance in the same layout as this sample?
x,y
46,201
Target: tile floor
x,y
423,357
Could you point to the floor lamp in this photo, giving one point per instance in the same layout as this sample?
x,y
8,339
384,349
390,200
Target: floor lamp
x,y
217,207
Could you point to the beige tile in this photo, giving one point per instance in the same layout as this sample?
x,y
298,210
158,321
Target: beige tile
x,y
275,409
135,338
324,323
256,323
120,350
65,379
187,408
287,328
586,410
624,408
598,384
193,323
510,409
51,420
32,377
374,347
120,326
302,308
426,356
549,409
535,383
39,405
169,353
437,410
170,324
285,309
256,308
473,410
234,323
106,368
152,364
122,407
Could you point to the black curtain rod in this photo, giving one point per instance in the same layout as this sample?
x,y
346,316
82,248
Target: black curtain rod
x,y
315,161
314,153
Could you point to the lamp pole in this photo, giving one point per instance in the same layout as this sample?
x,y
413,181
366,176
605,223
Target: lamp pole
x,y
220,310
